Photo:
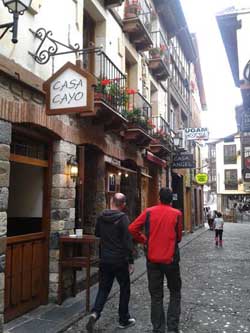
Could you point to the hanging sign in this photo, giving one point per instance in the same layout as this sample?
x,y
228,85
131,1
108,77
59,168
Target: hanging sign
x,y
183,161
198,133
201,178
69,90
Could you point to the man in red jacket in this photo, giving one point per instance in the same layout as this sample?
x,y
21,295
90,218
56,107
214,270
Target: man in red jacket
x,y
163,232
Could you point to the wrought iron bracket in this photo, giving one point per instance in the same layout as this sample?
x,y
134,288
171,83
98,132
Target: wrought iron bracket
x,y
6,27
50,47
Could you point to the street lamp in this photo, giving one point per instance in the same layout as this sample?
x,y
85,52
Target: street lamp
x,y
15,7
177,141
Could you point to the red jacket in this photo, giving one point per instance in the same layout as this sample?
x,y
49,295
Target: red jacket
x,y
164,232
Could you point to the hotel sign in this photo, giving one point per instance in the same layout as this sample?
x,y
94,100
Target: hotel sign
x,y
198,133
69,90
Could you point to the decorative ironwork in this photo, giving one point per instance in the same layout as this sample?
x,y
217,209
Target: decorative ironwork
x,y
246,72
49,47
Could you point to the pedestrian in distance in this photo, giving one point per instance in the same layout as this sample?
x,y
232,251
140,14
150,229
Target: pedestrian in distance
x,y
116,261
218,227
210,218
163,232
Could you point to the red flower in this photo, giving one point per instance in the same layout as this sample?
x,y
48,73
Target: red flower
x,y
131,91
105,82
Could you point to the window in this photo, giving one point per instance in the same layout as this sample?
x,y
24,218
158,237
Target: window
x,y
111,182
231,179
230,154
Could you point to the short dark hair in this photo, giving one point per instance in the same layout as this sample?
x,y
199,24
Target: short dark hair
x,y
166,195
218,214
119,199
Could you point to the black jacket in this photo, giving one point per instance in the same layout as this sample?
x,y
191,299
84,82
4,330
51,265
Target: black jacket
x,y
115,241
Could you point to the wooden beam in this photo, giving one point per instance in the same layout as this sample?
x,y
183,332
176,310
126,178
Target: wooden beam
x,y
28,160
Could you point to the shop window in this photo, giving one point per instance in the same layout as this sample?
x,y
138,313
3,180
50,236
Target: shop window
x,y
111,182
231,179
230,156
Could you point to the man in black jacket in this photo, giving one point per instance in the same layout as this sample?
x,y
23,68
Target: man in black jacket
x,y
116,261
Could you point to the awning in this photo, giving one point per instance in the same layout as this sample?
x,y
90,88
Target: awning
x,y
117,164
152,158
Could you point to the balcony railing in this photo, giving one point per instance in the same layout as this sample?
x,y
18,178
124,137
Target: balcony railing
x,y
111,84
162,142
160,47
139,112
137,23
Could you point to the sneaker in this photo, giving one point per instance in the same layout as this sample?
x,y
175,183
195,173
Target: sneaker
x,y
130,322
91,323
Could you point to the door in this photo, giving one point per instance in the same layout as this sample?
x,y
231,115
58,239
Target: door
x,y
26,273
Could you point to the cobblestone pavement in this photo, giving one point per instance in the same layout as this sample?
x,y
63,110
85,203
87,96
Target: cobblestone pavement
x,y
215,294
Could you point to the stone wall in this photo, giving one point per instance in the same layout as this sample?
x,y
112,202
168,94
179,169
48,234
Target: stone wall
x,y
5,139
62,208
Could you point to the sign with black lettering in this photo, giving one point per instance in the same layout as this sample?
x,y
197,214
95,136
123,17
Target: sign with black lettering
x,y
183,161
69,90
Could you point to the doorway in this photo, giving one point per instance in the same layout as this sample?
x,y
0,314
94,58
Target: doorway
x,y
26,272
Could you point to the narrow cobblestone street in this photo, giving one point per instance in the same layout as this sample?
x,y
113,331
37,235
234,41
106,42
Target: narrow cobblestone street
x,y
215,294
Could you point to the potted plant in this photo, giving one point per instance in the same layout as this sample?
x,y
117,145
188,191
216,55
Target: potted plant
x,y
132,8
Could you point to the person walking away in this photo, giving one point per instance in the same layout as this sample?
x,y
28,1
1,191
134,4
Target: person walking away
x,y
163,232
116,261
218,226
210,218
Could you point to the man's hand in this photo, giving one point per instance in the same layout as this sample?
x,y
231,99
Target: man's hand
x,y
131,268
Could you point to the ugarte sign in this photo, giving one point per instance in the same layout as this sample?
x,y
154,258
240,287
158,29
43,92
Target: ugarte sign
x,y
197,133
69,90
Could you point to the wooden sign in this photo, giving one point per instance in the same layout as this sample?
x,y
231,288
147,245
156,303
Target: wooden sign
x,y
69,90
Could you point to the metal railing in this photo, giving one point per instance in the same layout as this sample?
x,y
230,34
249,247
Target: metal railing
x,y
161,129
160,47
140,9
111,83
139,111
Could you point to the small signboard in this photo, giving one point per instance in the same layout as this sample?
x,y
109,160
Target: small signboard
x,y
69,90
198,133
183,161
201,178
245,122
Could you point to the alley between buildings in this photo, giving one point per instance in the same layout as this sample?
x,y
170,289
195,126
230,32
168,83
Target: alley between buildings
x,y
215,294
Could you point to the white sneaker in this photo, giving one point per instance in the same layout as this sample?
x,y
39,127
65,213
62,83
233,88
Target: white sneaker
x,y
130,322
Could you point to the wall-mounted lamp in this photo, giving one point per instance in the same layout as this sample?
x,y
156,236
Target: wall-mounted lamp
x,y
126,175
177,141
73,168
15,7
119,173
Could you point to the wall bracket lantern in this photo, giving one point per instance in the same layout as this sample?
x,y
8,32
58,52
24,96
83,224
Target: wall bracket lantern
x,y
73,168
50,47
15,7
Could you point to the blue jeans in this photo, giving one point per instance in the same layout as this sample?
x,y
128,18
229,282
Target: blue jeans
x,y
156,273
108,272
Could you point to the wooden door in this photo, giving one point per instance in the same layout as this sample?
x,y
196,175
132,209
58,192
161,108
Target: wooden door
x,y
26,272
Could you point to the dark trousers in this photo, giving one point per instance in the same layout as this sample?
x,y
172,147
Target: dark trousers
x,y
156,273
218,233
108,272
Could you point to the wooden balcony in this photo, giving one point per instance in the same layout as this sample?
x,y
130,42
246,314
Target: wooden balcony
x,y
161,144
109,95
139,125
112,3
137,24
159,57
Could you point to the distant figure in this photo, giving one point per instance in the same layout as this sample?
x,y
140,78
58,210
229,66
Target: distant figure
x,y
163,232
218,226
116,261
210,218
